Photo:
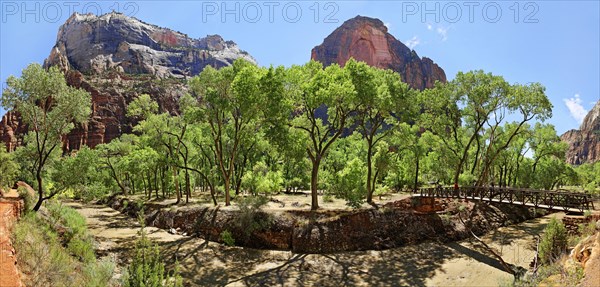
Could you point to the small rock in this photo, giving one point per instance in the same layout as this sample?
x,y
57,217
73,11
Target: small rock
x,y
172,231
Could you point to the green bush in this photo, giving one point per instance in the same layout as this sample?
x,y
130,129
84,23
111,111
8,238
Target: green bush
x,y
250,218
227,238
28,199
147,268
76,227
554,242
349,184
82,250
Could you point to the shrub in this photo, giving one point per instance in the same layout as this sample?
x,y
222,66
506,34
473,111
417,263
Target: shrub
x,y
47,263
349,183
28,199
249,218
554,241
227,238
82,250
73,222
147,268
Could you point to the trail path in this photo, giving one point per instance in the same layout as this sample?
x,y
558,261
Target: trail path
x,y
428,264
9,274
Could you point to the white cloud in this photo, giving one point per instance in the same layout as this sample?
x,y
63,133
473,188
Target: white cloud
x,y
443,32
578,112
413,42
429,27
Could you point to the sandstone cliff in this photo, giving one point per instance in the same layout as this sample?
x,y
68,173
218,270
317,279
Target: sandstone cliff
x,y
94,44
584,143
116,58
367,39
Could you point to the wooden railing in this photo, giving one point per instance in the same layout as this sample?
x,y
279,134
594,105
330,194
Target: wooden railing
x,y
567,201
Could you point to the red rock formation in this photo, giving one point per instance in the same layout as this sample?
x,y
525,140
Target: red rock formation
x,y
367,39
11,127
584,144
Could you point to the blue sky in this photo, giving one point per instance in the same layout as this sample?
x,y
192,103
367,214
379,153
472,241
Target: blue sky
x,y
556,43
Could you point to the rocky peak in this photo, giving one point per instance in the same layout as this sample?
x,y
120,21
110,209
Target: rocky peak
x,y
94,44
584,143
367,39
591,122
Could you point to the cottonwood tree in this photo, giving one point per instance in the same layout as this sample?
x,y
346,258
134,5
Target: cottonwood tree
x,y
324,100
382,100
50,109
472,112
231,102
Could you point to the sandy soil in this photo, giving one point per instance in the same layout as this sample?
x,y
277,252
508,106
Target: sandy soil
x,y
428,264
279,202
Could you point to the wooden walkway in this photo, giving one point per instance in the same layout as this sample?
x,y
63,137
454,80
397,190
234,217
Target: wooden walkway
x,y
553,200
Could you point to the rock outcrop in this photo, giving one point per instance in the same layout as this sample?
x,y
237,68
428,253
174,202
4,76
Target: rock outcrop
x,y
94,44
117,58
367,39
584,143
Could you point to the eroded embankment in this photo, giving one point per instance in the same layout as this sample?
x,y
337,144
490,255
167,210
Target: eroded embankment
x,y
392,225
10,210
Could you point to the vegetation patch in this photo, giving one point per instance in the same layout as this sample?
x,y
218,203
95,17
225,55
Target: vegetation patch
x,y
56,250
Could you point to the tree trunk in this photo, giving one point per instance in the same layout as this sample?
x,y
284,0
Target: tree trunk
x,y
176,179
227,197
188,191
416,174
369,172
313,185
40,190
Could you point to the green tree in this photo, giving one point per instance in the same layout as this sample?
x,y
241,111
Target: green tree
x,y
380,93
50,109
231,102
323,100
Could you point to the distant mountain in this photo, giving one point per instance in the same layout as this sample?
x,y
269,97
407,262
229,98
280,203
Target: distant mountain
x,y
95,44
367,39
584,143
116,58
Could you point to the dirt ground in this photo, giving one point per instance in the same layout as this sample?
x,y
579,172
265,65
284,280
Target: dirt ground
x,y
9,275
206,263
279,202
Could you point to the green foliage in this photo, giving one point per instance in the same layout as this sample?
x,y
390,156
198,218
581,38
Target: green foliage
x,y
28,199
75,237
8,169
348,184
261,180
50,108
142,106
147,267
245,128
250,218
227,238
43,257
554,241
